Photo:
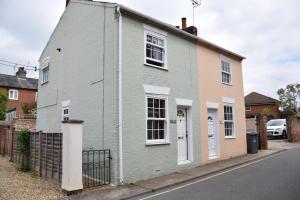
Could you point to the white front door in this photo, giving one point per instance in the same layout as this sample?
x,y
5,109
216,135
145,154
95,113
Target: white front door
x,y
212,134
182,135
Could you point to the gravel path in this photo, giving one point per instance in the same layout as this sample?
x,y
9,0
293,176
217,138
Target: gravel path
x,y
17,185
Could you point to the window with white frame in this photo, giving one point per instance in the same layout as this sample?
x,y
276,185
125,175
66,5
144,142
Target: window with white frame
x,y
65,113
13,94
226,72
156,119
45,74
155,49
228,120
248,108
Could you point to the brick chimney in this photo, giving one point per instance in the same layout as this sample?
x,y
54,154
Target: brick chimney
x,y
191,29
21,73
183,23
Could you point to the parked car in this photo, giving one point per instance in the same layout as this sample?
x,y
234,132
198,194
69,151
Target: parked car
x,y
277,128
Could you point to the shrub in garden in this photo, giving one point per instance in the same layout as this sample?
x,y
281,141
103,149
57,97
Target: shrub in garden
x,y
23,142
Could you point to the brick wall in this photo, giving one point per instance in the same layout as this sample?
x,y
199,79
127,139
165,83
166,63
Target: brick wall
x,y
25,96
293,128
251,125
29,124
257,109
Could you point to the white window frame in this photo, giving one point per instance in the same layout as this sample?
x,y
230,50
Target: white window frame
x,y
233,135
65,105
45,67
166,119
249,108
65,117
148,30
224,59
15,94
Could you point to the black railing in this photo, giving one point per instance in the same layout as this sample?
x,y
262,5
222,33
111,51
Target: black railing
x,y
96,168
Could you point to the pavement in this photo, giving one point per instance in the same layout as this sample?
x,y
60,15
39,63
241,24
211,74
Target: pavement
x,y
153,185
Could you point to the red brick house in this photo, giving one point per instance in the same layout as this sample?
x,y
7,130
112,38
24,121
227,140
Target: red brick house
x,y
19,90
256,103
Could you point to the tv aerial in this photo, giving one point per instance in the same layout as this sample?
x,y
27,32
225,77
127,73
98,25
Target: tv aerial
x,y
195,3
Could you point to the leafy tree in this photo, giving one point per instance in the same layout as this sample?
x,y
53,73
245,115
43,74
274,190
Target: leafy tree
x,y
3,105
289,97
268,113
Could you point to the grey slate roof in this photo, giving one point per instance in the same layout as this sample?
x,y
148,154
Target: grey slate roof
x,y
15,82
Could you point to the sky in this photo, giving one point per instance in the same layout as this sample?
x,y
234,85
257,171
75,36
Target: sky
x,y
265,32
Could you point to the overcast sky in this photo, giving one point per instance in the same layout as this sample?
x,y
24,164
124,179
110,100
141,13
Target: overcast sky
x,y
266,32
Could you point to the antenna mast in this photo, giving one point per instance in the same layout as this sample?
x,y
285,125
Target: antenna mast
x,y
195,4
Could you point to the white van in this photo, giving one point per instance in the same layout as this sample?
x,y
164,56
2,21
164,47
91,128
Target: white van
x,y
277,128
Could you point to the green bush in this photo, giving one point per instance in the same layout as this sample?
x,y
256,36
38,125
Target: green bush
x,y
25,108
23,142
3,105
297,115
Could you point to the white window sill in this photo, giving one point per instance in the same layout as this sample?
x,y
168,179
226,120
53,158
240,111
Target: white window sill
x,y
213,157
44,82
230,137
185,162
149,65
229,84
157,143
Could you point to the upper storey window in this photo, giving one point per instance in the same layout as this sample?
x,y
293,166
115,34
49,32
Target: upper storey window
x,y
226,72
155,48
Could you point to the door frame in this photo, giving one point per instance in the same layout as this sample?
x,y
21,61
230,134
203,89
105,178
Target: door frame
x,y
217,129
189,125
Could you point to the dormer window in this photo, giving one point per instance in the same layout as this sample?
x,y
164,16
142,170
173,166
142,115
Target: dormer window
x,y
155,48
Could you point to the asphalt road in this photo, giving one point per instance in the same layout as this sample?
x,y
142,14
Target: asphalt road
x,y
273,178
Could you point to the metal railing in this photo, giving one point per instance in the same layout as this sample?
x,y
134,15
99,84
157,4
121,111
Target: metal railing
x,y
96,168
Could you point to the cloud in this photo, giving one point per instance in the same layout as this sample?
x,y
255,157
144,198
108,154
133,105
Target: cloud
x,y
266,32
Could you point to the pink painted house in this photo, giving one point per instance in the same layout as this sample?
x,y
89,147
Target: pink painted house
x,y
222,108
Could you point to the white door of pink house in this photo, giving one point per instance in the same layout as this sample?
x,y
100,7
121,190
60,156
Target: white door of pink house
x,y
212,134
182,135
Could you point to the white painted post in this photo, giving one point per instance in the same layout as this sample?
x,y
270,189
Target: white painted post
x,y
72,155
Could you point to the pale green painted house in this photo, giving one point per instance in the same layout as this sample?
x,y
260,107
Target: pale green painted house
x,y
132,80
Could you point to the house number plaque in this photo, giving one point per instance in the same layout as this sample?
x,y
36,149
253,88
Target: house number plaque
x,y
173,121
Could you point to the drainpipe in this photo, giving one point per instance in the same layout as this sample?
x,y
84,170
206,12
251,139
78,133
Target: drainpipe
x,y
120,97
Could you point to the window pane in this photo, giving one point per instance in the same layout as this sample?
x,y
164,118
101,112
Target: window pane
x,y
156,103
162,103
148,52
154,40
162,113
160,42
156,113
149,124
155,124
150,112
161,124
161,134
150,102
149,135
149,38
155,134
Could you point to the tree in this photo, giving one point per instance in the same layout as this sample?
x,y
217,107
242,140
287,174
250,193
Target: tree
x,y
3,105
289,97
